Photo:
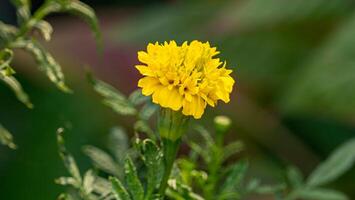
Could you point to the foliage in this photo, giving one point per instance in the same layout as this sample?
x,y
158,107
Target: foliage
x,y
135,172
22,37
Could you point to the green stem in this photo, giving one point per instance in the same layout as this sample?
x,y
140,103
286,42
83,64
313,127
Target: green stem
x,y
170,149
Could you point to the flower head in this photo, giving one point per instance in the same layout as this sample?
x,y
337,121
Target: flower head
x,y
186,77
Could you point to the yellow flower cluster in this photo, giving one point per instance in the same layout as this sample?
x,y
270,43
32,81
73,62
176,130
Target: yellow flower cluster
x,y
185,76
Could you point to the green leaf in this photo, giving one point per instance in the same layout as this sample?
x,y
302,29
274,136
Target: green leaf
x,y
148,110
67,158
118,142
67,181
89,180
134,185
23,8
152,158
46,62
232,148
318,194
119,190
6,138
101,160
85,12
341,160
102,186
65,196
7,33
112,97
234,177
6,73
143,127
45,29
137,98
295,177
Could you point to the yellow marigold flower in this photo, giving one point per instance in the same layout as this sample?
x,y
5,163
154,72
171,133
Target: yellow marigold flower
x,y
184,77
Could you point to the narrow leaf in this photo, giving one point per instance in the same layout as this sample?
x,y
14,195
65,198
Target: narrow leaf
x,y
341,160
295,177
6,138
101,160
89,180
112,97
235,177
137,98
23,10
118,143
319,194
46,62
119,190
67,158
134,185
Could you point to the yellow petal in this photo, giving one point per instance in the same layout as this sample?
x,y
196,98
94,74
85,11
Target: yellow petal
x,y
148,85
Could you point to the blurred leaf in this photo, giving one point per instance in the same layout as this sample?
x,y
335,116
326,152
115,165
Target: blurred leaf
x,y
340,161
119,190
7,33
23,8
112,97
6,138
295,177
67,158
102,160
45,29
143,127
74,7
137,98
232,148
89,180
326,81
67,181
102,186
318,194
65,196
234,177
118,142
45,61
148,110
6,73
152,158
133,183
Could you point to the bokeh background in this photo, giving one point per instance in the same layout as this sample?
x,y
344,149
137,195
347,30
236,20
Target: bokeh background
x,y
294,102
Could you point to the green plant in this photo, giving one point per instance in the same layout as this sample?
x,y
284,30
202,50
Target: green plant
x,y
135,172
22,37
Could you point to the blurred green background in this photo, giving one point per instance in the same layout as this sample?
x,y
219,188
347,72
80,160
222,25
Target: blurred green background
x,y
294,101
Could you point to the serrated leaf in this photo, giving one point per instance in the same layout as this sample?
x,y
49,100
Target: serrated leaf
x,y
46,62
119,190
318,194
341,160
295,177
102,160
133,183
112,97
67,158
152,158
234,177
118,142
6,138
137,98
